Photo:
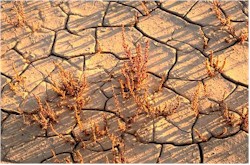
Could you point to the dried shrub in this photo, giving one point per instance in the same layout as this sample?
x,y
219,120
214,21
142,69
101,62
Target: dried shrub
x,y
44,114
135,70
97,132
78,118
195,101
229,117
71,88
213,67
118,149
134,73
17,85
19,19
226,23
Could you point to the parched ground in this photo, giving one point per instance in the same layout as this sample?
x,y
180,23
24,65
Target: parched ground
x,y
86,37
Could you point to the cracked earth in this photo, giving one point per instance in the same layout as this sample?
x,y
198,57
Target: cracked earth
x,y
86,37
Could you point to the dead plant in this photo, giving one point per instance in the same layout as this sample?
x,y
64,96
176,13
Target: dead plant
x,y
70,88
54,156
46,111
79,157
213,67
97,132
226,23
195,101
17,85
203,138
230,118
134,70
19,19
78,118
145,8
162,81
121,126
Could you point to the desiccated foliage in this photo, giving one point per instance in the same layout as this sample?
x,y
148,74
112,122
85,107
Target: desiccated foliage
x,y
244,117
203,138
229,117
226,23
19,15
79,157
133,84
17,84
45,115
143,4
97,132
213,66
195,101
118,149
70,88
134,70
54,156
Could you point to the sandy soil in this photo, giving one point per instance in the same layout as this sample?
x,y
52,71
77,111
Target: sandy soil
x,y
86,37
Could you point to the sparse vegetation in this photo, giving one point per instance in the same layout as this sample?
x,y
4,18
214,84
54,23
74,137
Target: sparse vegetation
x,y
213,65
135,70
227,25
71,89
19,19
139,108
229,117
195,101
17,84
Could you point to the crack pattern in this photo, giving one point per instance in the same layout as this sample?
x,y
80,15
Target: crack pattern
x,y
85,37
